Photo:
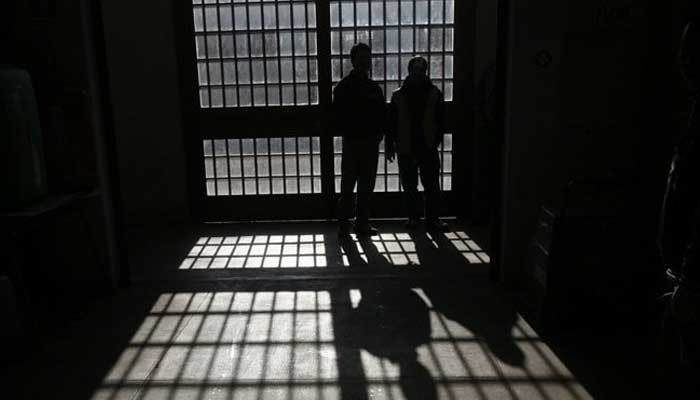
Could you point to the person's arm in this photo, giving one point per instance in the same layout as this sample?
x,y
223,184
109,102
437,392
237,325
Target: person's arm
x,y
392,122
441,117
337,110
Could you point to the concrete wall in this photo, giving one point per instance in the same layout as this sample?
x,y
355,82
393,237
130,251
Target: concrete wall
x,y
587,98
140,46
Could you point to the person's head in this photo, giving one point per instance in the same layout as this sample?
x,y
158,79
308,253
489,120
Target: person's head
x,y
361,57
417,68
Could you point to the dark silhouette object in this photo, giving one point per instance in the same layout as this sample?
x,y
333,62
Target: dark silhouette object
x,y
679,230
416,129
359,111
402,324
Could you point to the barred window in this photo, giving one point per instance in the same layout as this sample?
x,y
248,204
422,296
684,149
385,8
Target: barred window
x,y
256,53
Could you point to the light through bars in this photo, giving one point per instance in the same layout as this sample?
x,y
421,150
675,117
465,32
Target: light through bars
x,y
315,344
263,166
259,251
256,53
396,31
388,173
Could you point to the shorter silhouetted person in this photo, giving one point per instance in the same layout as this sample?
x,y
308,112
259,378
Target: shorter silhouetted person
x,y
416,130
680,225
360,112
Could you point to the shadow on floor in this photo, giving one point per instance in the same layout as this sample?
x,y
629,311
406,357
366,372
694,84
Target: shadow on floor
x,y
279,249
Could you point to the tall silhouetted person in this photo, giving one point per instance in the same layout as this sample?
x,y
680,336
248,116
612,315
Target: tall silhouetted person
x,y
680,225
359,112
416,130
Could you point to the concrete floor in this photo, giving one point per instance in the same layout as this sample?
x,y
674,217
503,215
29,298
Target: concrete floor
x,y
406,316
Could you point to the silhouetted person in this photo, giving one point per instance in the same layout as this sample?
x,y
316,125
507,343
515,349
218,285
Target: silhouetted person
x,y
680,230
416,130
359,110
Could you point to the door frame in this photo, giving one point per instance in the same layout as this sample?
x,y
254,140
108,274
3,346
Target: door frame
x,y
312,121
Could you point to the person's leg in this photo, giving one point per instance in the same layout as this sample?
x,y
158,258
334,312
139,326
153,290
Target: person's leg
x,y
429,164
408,170
348,178
366,178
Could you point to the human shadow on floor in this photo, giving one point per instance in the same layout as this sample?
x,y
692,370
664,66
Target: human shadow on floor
x,y
480,310
390,322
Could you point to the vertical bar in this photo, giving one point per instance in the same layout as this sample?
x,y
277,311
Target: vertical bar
x,y
235,56
398,46
369,27
413,29
444,35
294,57
221,60
279,51
216,170
264,56
269,163
340,37
325,87
255,164
240,149
306,39
206,59
354,21
386,89
250,58
296,158
228,165
284,166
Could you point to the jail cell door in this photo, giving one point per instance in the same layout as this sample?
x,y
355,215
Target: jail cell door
x,y
257,79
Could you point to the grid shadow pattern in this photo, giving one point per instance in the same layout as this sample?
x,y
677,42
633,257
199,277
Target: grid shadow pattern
x,y
387,180
399,248
256,53
259,251
263,166
468,248
315,344
396,31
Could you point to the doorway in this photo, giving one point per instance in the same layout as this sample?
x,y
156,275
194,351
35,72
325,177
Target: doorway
x,y
257,79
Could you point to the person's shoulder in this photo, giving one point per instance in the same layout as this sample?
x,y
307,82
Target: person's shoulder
x,y
341,85
396,94
374,84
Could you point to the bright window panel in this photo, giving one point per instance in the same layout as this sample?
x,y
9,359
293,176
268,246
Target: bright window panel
x,y
388,179
396,31
262,166
253,53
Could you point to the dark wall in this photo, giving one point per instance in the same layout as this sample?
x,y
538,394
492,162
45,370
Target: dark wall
x,y
593,92
140,47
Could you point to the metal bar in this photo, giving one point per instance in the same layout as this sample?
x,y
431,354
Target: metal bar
x,y
262,25
235,55
296,158
398,45
255,164
240,149
340,37
294,64
269,163
306,38
325,76
284,166
354,22
221,53
386,89
444,35
206,58
228,165
279,51
250,51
